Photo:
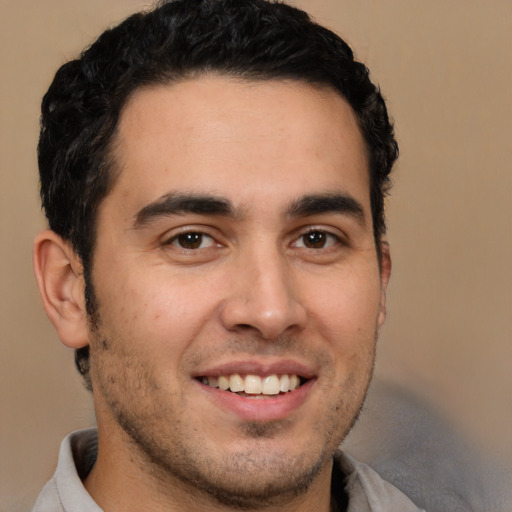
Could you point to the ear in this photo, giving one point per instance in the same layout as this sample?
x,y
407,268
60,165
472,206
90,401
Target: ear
x,y
385,273
61,284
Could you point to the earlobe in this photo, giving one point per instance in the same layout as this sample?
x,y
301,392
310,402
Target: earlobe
x,y
385,273
59,276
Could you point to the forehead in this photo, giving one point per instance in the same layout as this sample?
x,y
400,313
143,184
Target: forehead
x,y
232,137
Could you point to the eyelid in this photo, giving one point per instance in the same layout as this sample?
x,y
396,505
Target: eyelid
x,y
175,241
170,236
330,231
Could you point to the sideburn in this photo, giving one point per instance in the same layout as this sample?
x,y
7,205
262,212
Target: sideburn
x,y
82,355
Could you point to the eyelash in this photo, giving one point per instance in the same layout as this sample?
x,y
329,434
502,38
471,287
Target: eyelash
x,y
200,236
323,236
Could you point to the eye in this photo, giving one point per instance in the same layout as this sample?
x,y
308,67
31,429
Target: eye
x,y
316,239
192,240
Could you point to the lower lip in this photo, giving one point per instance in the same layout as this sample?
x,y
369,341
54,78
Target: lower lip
x,y
271,408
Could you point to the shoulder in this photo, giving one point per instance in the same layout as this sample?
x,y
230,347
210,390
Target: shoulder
x,y
48,499
367,491
65,491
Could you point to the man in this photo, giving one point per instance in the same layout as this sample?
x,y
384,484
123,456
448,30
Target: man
x,y
213,174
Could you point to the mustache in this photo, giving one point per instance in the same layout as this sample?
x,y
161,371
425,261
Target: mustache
x,y
256,346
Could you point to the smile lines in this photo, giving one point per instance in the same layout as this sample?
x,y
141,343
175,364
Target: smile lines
x,y
254,384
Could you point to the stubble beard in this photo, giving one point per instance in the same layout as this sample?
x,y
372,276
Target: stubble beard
x,y
262,478
255,485
252,479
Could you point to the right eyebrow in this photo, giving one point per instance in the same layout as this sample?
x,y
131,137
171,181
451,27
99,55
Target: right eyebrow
x,y
180,203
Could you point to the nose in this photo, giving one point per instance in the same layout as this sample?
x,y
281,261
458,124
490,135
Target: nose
x,y
263,298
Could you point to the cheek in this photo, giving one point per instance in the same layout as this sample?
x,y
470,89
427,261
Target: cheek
x,y
153,310
346,313
346,309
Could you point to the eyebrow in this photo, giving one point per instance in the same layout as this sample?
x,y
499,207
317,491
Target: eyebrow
x,y
318,204
180,204
183,203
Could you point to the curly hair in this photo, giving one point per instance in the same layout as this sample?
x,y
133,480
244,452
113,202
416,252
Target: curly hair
x,y
176,40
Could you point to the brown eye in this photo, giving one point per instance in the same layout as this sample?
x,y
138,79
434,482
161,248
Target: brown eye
x,y
192,240
316,240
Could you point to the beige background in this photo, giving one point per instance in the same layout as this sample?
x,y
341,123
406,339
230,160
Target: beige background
x,y
446,69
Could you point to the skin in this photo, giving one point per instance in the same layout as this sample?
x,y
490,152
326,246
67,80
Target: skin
x,y
252,291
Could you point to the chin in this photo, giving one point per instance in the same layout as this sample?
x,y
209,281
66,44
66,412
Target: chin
x,y
255,480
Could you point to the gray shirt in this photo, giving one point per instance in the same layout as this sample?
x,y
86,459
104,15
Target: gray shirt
x,y
366,490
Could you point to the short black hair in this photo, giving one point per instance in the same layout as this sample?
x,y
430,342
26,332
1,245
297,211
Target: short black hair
x,y
176,40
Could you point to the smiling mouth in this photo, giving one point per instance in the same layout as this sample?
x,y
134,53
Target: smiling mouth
x,y
253,386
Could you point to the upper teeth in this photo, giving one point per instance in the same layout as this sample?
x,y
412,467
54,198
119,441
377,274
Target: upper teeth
x,y
254,384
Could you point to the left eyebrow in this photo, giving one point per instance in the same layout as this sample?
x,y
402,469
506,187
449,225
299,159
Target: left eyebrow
x,y
179,204
318,204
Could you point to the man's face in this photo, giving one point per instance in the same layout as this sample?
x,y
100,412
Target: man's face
x,y
236,247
